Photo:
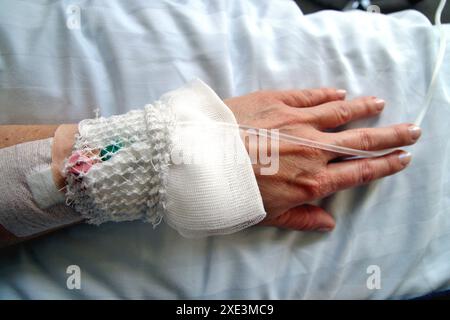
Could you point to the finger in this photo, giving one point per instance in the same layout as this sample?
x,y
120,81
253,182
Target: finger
x,y
377,138
310,98
305,217
337,113
351,173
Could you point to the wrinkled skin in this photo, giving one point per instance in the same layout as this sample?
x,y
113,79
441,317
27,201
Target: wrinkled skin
x,y
306,174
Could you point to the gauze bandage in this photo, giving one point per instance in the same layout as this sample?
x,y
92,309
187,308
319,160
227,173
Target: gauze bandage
x,y
173,160
29,201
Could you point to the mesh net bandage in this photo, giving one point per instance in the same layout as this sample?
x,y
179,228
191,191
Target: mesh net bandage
x,y
124,161
145,165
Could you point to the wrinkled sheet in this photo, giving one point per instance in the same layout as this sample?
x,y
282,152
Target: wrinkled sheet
x,y
127,53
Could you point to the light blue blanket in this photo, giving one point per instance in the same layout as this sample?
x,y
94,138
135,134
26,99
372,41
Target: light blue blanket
x,y
58,62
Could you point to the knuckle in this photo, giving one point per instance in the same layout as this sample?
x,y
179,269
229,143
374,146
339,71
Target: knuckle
x,y
368,106
293,117
366,172
310,187
325,94
308,222
400,134
282,220
392,165
331,185
343,113
306,97
286,116
316,186
329,93
366,141
364,106
308,93
310,116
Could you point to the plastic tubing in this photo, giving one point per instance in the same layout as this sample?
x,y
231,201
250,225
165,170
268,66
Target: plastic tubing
x,y
289,138
438,64
356,152
316,144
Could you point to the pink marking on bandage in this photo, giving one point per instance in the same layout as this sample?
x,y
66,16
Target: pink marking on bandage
x,y
79,163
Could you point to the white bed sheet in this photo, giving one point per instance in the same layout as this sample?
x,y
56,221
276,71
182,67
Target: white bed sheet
x,y
127,53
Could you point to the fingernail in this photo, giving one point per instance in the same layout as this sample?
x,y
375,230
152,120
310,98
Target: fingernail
x,y
405,158
325,229
341,93
415,132
380,103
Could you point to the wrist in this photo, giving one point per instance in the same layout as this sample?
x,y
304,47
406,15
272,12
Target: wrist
x,y
63,141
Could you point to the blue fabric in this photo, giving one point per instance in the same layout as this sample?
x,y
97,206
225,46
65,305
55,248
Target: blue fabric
x,y
126,53
442,295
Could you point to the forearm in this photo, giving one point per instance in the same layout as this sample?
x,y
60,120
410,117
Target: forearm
x,y
14,134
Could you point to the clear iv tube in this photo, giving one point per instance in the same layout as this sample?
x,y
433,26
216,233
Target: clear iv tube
x,y
316,144
438,64
290,139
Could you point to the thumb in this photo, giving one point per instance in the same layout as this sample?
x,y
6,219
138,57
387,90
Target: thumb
x,y
305,217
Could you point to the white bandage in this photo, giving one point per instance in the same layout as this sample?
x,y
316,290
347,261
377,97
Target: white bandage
x,y
29,201
123,167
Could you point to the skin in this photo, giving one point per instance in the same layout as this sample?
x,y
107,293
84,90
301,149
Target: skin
x,y
305,174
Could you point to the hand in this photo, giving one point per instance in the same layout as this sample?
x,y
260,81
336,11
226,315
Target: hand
x,y
306,174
